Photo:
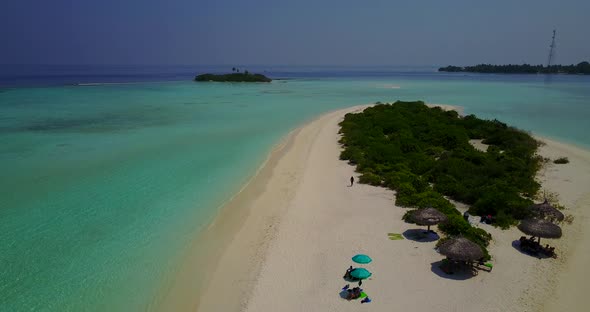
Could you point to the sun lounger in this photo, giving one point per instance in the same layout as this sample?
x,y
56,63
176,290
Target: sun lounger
x,y
484,266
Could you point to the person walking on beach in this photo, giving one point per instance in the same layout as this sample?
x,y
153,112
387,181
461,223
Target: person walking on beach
x,y
351,181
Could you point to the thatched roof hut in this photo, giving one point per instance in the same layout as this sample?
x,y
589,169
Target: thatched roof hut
x,y
540,228
461,249
428,216
545,210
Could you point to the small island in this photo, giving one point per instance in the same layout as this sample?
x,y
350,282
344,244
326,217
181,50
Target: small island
x,y
582,68
426,155
233,77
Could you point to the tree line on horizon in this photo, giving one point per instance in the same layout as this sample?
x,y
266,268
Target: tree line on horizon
x,y
235,76
582,68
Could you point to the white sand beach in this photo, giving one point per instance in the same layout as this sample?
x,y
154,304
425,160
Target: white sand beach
x,y
289,236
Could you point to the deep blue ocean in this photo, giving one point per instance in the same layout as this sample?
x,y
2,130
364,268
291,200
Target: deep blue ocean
x,y
108,173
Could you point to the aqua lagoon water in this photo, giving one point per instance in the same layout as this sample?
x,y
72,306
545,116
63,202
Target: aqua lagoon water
x,y
103,187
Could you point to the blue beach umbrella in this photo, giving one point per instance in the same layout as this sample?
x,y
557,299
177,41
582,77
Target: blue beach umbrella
x,y
360,273
362,259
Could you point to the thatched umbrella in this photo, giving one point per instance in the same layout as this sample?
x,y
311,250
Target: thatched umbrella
x,y
428,216
461,249
540,228
545,210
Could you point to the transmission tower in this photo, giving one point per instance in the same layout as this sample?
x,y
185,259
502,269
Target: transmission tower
x,y
551,50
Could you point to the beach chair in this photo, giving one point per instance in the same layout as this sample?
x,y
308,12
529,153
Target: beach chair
x,y
484,266
470,266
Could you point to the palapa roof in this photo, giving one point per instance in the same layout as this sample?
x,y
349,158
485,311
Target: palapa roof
x,y
545,210
428,216
540,228
461,249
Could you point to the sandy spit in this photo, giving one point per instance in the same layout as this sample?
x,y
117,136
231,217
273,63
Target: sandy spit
x,y
284,242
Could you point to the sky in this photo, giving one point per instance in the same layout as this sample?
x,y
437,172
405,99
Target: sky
x,y
294,32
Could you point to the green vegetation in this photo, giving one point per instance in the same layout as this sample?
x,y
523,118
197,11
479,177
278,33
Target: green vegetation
x,y
234,77
580,68
561,160
424,154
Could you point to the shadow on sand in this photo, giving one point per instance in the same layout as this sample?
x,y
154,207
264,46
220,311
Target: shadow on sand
x,y
350,279
343,294
539,255
458,273
420,235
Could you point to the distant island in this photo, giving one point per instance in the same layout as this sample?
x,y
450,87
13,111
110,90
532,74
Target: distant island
x,y
582,68
234,77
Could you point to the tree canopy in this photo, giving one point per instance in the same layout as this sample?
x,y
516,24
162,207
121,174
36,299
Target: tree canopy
x,y
234,77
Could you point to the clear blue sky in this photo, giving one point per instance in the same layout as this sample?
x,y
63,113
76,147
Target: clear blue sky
x,y
294,32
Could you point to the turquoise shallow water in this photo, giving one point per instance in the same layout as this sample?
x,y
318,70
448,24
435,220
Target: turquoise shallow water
x,y
103,187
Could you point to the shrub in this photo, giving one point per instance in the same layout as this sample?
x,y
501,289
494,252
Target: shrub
x,y
561,160
407,217
370,178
